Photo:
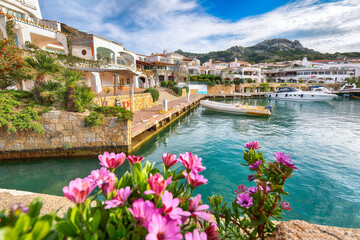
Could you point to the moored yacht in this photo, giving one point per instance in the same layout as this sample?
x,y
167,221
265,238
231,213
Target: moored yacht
x,y
291,93
349,90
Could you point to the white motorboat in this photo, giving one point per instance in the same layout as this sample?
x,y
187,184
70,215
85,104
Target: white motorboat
x,y
291,93
237,108
349,90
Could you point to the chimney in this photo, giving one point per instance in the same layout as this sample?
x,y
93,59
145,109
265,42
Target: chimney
x,y
165,52
236,60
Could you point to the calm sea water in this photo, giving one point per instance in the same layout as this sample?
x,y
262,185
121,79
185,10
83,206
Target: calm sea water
x,y
322,139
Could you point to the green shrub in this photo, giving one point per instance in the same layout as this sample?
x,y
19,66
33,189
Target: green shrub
x,y
264,86
238,81
170,84
177,90
94,119
26,223
249,80
217,82
154,93
163,83
83,98
19,111
187,89
227,83
194,78
210,83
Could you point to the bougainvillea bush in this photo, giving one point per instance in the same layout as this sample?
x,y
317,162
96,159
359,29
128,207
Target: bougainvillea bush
x,y
147,204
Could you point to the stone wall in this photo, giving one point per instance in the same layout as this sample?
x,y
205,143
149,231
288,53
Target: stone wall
x,y
142,100
220,89
66,135
194,91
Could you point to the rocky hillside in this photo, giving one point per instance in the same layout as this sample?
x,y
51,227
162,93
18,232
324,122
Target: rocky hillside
x,y
271,50
72,31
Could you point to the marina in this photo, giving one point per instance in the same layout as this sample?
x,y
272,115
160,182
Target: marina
x,y
315,134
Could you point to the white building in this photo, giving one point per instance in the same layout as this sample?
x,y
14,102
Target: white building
x,y
228,71
30,27
120,69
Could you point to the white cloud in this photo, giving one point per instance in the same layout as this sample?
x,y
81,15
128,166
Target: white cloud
x,y
148,26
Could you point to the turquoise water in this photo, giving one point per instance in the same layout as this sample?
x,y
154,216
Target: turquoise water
x,y
322,138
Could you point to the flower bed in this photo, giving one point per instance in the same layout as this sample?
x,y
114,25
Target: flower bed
x,y
148,204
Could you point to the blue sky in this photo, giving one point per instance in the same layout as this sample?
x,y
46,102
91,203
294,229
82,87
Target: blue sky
x,y
150,26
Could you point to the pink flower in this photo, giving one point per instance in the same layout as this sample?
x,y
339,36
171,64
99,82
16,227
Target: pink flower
x,y
78,190
120,199
143,211
134,159
268,189
191,161
252,190
195,235
161,228
197,210
157,184
244,200
285,206
211,232
111,160
284,160
194,179
169,159
240,189
255,166
170,207
252,145
103,178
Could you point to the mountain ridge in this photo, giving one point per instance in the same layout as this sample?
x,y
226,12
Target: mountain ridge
x,y
270,50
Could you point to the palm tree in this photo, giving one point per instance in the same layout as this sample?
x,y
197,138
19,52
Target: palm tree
x,y
43,65
71,77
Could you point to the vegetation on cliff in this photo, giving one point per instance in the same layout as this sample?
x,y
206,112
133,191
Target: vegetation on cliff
x,y
272,50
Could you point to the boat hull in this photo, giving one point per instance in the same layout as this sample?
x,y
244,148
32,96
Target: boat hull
x,y
235,109
294,96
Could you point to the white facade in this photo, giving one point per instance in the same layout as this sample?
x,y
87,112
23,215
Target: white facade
x,y
29,27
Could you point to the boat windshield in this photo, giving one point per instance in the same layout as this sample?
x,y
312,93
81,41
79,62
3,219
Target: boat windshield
x,y
287,89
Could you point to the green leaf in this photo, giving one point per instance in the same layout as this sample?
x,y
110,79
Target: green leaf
x,y
52,235
67,228
8,233
227,217
264,218
121,230
41,229
35,207
255,223
280,176
110,229
95,221
22,224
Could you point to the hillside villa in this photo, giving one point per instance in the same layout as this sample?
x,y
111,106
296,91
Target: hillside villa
x,y
30,27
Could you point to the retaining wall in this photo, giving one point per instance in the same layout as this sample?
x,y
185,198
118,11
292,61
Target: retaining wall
x,y
220,89
66,135
142,100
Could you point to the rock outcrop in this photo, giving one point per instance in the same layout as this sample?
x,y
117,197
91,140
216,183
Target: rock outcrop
x,y
301,230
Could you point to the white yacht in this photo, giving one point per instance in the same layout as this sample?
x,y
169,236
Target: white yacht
x,y
291,93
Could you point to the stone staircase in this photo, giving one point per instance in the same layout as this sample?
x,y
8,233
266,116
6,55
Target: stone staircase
x,y
163,94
